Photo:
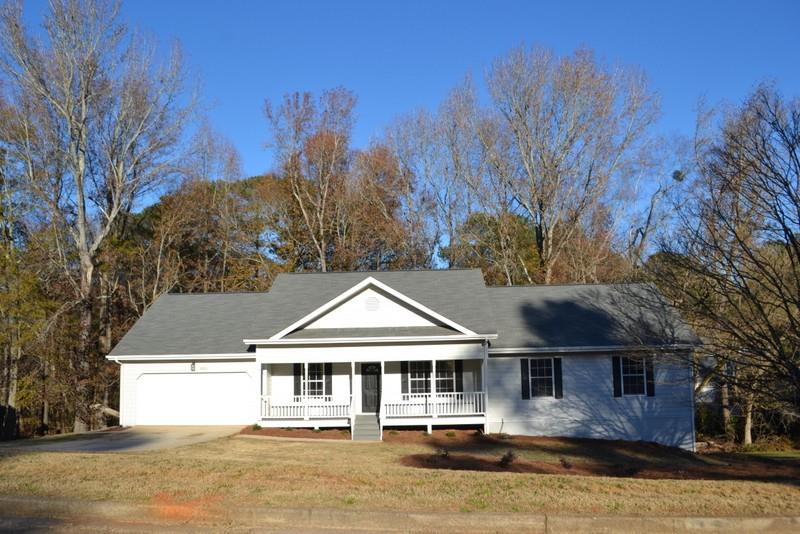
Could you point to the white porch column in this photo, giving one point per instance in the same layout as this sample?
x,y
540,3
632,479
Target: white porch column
x,y
304,391
433,388
485,385
380,391
352,386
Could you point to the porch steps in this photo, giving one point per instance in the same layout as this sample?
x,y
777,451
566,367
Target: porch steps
x,y
366,428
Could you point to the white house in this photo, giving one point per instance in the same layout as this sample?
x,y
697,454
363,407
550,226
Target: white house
x,y
415,348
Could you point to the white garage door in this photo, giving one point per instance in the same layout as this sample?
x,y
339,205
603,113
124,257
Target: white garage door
x,y
194,399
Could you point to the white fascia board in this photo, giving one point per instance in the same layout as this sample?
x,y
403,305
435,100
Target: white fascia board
x,y
188,357
366,340
604,348
369,281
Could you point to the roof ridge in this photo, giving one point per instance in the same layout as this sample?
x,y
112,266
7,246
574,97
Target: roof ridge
x,y
373,271
216,293
570,284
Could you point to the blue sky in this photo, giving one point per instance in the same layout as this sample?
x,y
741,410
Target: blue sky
x,y
403,55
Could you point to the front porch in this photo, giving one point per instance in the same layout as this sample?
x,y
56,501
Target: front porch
x,y
396,393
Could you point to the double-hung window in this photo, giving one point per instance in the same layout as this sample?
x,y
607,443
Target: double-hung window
x,y
419,377
541,370
541,377
633,375
445,377
314,385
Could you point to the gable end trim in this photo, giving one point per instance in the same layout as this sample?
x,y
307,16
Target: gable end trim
x,y
369,281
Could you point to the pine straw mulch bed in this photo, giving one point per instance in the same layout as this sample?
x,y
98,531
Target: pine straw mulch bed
x,y
472,451
301,433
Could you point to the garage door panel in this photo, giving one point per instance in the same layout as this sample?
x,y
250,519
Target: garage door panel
x,y
194,399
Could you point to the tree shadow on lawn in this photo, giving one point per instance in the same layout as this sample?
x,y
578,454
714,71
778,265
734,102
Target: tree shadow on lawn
x,y
588,457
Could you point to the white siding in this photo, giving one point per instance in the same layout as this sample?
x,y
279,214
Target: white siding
x,y
370,309
174,375
371,353
588,408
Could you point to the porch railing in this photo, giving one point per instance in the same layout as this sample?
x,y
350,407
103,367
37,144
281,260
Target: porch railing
x,y
422,404
305,407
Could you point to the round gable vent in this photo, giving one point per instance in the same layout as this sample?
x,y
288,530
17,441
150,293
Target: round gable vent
x,y
372,304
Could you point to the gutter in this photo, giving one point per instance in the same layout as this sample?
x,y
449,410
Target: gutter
x,y
597,348
187,357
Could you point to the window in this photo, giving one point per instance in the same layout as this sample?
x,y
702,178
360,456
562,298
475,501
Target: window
x,y
315,385
633,376
445,377
541,375
419,377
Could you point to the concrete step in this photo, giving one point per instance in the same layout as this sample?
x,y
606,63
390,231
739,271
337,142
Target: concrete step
x,y
366,428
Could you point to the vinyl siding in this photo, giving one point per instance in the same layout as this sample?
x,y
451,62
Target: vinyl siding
x,y
589,408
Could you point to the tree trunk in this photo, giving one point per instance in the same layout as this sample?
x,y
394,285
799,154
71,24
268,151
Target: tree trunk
x,y
44,423
85,354
747,432
725,402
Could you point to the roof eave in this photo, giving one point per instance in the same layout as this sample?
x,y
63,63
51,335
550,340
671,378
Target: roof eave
x,y
676,347
188,357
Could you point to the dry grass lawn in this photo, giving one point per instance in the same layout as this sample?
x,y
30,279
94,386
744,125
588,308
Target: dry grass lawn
x,y
286,474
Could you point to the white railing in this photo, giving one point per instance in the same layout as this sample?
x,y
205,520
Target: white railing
x,y
423,404
305,407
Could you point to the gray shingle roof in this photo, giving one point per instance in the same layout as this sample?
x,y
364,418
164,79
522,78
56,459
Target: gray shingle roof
x,y
217,323
530,316
585,316
458,294
211,323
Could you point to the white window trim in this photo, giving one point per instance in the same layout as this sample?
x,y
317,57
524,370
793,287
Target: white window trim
x,y
425,379
622,376
451,377
552,378
304,383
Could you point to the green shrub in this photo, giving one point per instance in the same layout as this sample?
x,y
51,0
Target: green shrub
x,y
256,427
450,434
771,444
507,459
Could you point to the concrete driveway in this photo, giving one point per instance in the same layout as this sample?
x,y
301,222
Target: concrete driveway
x,y
140,438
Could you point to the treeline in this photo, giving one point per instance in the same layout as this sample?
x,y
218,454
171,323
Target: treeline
x,y
108,202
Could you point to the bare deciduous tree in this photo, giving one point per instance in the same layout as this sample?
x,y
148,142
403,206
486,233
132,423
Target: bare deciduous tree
x,y
312,143
567,129
733,264
101,119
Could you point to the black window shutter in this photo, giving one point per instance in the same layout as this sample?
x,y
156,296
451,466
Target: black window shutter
x,y
650,378
328,370
559,389
428,371
298,372
526,379
459,375
617,376
404,377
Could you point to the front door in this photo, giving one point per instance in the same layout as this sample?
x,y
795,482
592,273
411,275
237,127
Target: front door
x,y
370,387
